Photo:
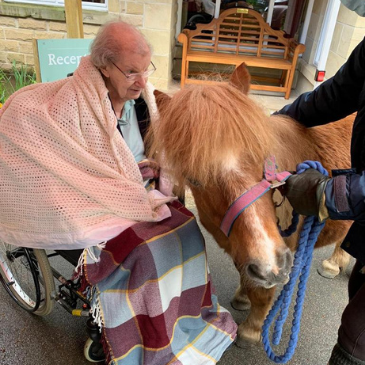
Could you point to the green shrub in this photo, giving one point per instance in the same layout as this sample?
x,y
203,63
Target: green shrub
x,y
18,77
22,76
4,81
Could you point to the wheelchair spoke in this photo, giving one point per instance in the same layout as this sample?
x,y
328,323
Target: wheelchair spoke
x,y
16,274
27,276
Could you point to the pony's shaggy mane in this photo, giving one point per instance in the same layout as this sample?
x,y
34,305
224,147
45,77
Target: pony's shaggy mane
x,y
206,127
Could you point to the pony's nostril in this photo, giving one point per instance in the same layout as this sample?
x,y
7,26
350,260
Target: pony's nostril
x,y
285,267
285,261
267,276
253,270
288,261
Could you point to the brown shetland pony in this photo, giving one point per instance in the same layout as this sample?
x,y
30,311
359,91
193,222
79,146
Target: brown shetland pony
x,y
215,140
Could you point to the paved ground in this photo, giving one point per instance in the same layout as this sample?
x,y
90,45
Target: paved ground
x,y
58,339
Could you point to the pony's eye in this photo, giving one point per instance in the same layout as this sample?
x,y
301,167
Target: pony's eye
x,y
194,182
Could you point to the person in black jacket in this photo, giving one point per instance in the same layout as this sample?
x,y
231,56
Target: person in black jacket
x,y
340,197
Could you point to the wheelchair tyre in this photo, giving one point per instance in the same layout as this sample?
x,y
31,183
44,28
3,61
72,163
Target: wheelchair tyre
x,y
93,351
27,277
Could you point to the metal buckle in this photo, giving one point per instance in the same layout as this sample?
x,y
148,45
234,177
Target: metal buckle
x,y
276,184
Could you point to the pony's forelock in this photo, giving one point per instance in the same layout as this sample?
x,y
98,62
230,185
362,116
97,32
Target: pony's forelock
x,y
206,130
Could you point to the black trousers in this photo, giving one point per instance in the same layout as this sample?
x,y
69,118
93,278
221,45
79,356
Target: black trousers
x,y
351,334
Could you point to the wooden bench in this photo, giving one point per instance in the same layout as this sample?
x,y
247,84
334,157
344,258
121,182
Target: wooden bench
x,y
241,35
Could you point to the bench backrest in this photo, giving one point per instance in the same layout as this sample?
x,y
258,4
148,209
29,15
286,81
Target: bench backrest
x,y
240,31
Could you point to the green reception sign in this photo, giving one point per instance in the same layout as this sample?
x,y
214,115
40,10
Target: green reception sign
x,y
59,57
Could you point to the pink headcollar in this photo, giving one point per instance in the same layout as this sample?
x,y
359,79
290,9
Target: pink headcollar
x,y
271,180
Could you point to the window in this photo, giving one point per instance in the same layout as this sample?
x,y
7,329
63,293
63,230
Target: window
x,y
286,15
203,11
101,5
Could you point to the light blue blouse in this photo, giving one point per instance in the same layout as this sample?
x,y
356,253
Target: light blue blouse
x,y
128,124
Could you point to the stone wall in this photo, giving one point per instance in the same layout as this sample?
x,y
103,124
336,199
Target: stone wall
x,y
349,31
21,23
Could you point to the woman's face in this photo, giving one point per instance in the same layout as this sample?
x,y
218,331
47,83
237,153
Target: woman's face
x,y
120,87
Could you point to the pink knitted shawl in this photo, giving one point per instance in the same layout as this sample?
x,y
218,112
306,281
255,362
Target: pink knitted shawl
x,y
67,178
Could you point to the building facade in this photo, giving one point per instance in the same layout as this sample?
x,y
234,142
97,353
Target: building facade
x,y
329,30
22,22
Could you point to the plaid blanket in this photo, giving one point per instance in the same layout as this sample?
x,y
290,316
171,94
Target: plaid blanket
x,y
151,292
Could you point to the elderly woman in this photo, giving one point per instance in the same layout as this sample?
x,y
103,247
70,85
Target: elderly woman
x,y
73,172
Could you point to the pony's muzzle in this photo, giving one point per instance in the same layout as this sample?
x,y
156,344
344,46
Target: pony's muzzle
x,y
266,276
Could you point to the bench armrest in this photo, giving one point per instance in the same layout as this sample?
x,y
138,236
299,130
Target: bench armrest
x,y
182,38
295,49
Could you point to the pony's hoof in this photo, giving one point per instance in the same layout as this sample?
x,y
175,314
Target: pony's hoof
x,y
328,270
244,343
240,305
247,336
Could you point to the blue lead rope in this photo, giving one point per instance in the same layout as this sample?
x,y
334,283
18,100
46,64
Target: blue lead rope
x,y
301,269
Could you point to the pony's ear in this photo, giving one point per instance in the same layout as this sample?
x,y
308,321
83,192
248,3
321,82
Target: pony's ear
x,y
161,98
241,78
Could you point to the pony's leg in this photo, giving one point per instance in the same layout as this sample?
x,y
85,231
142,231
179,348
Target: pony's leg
x,y
240,299
249,331
337,262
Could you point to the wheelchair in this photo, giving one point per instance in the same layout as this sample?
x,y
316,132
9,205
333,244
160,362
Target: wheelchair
x,y
29,278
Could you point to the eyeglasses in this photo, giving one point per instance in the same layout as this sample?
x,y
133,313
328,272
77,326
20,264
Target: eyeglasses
x,y
134,76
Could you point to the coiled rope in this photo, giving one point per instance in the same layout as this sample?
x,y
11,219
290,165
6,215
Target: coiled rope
x,y
301,269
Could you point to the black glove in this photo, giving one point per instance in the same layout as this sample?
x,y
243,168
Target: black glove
x,y
306,193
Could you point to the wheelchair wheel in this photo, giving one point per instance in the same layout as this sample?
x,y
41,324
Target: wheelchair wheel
x,y
93,351
27,277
